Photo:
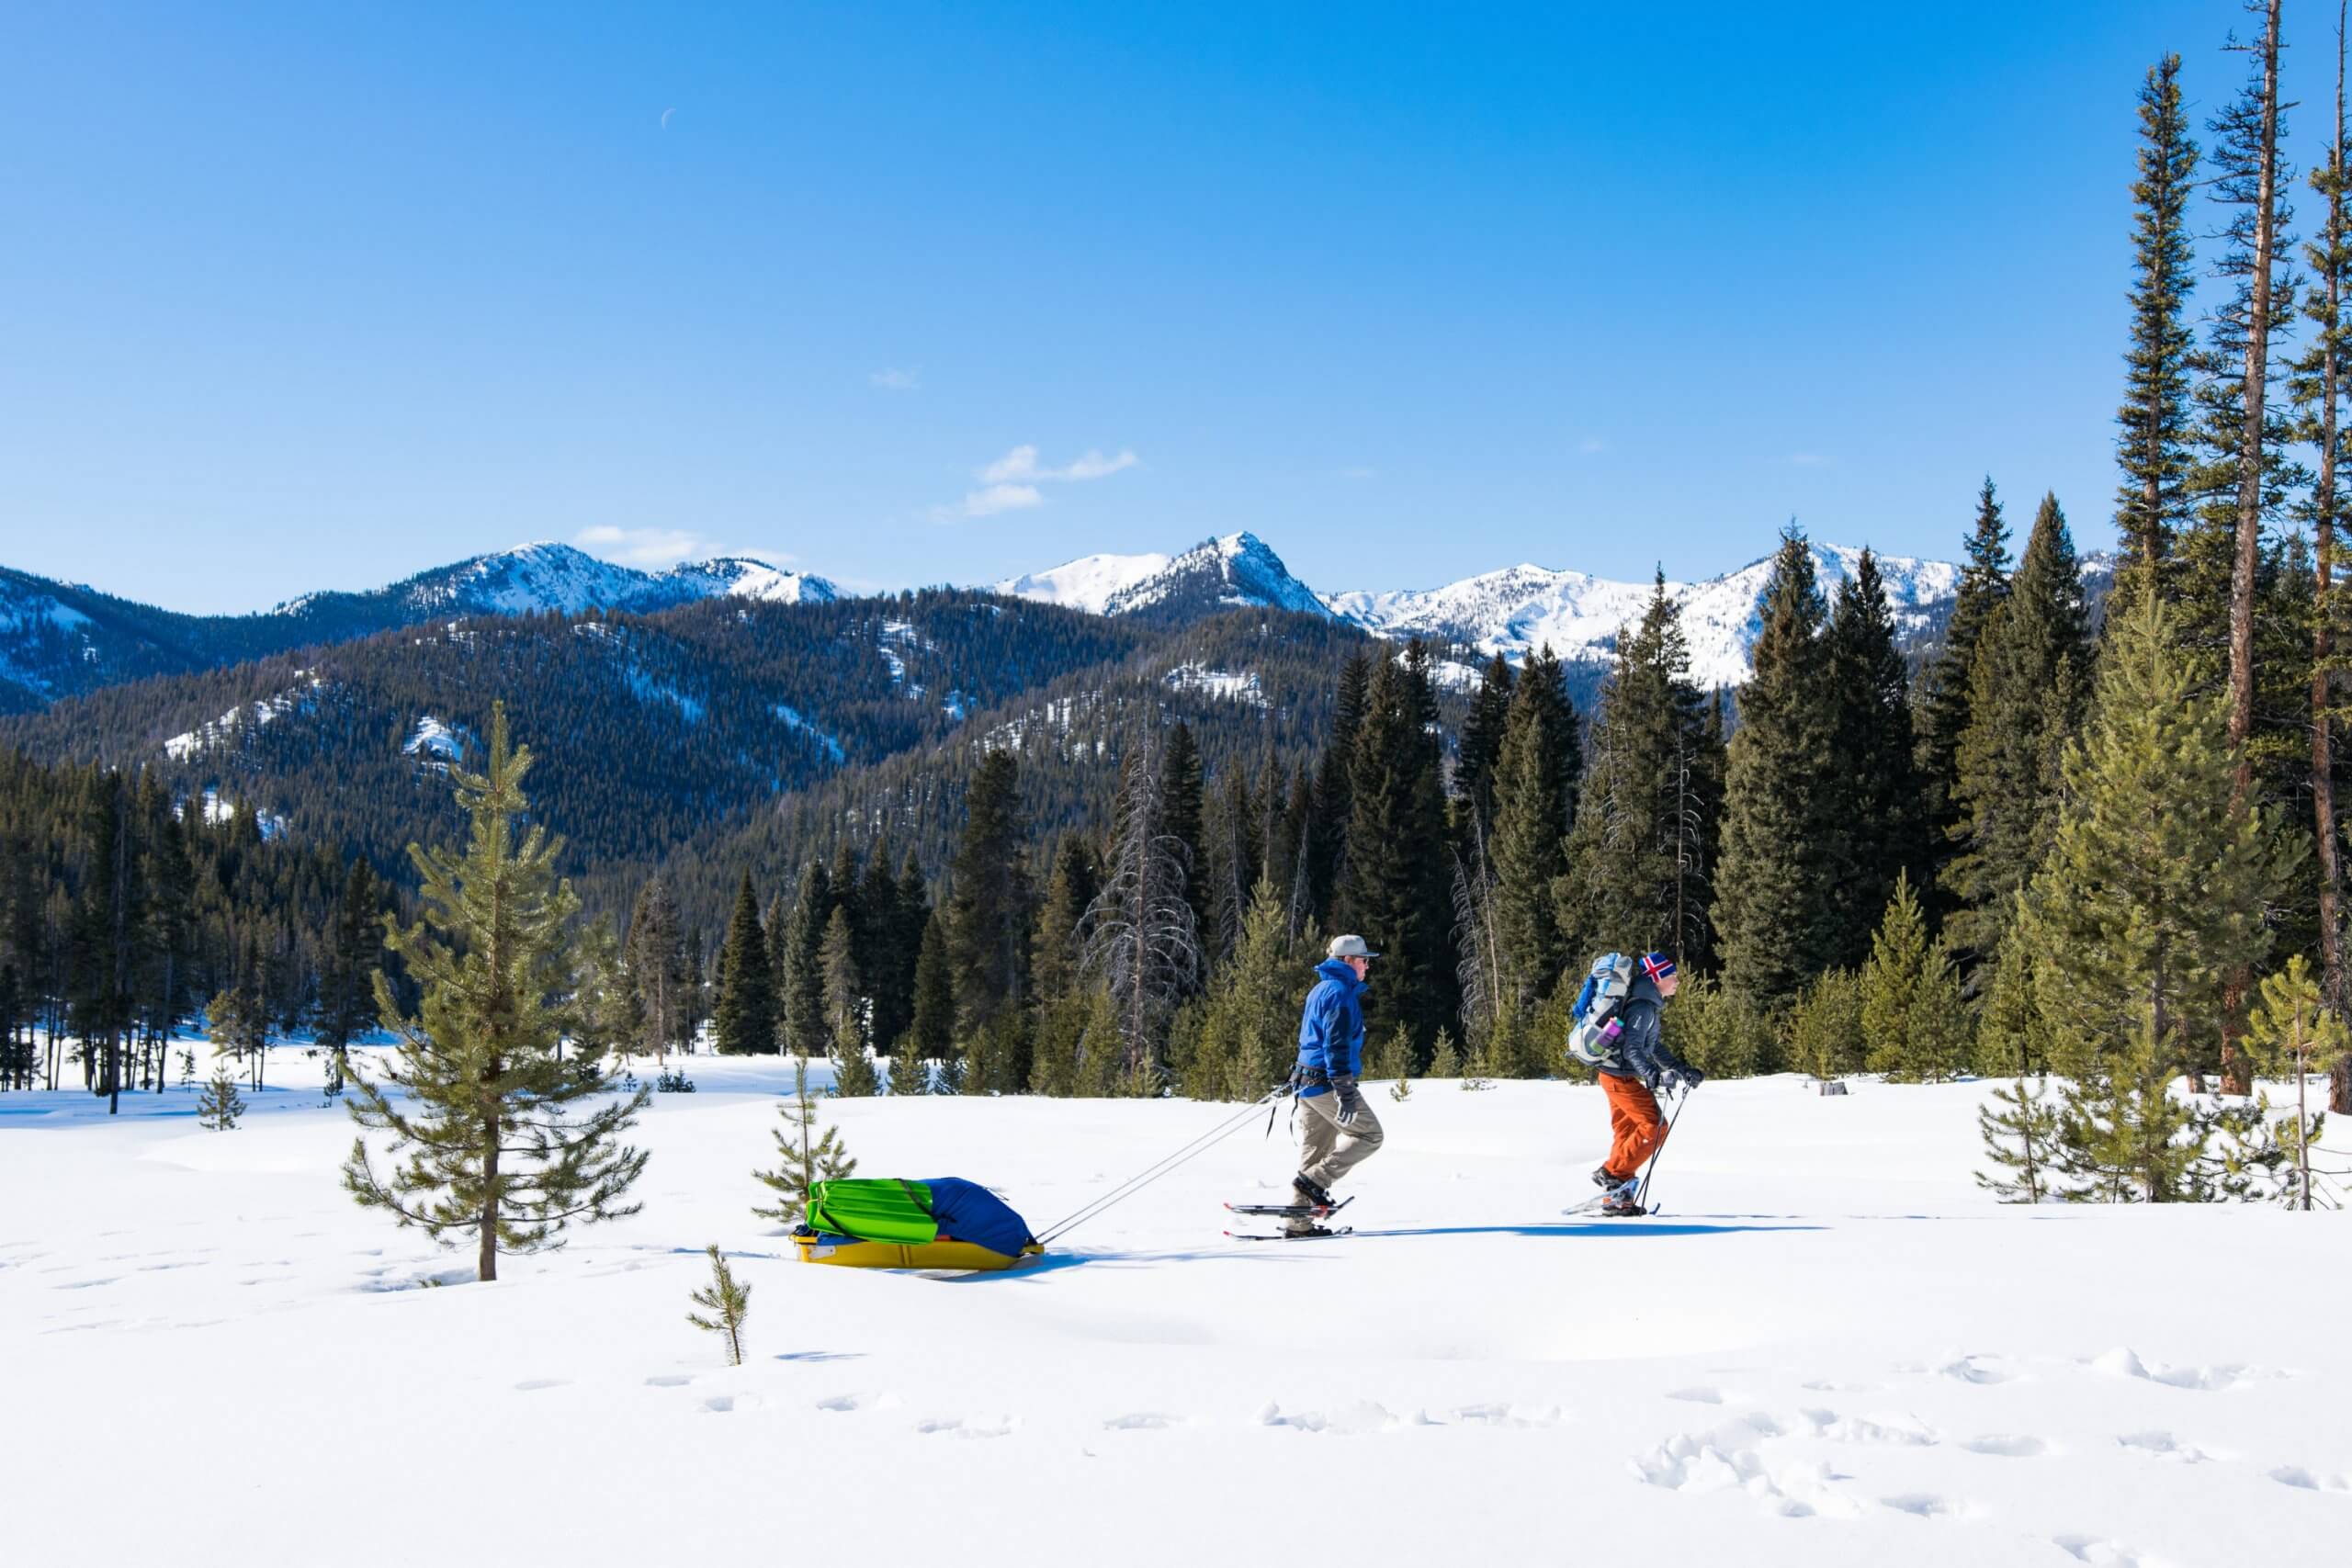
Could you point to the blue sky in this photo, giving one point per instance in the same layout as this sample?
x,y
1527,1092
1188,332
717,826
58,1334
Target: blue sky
x,y
300,296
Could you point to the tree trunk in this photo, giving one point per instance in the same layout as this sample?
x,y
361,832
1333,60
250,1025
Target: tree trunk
x,y
2236,1075
486,1261
2330,876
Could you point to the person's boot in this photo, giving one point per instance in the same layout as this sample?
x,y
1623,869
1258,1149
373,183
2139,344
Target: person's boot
x,y
1307,1195
1621,1199
1604,1178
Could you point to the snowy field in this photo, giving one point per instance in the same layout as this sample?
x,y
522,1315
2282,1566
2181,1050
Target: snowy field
x,y
1831,1348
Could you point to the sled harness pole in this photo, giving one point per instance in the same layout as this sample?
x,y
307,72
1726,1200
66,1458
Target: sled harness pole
x,y
1642,1196
1161,1166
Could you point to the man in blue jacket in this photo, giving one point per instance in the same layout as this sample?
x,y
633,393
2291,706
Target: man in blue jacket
x,y
1340,1131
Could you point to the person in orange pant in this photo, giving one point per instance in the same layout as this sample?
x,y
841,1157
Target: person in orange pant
x,y
1639,1063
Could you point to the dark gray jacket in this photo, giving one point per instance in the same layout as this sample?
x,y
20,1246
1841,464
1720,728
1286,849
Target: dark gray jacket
x,y
1642,1052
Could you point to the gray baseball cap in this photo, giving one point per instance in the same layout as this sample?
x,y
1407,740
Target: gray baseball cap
x,y
1349,947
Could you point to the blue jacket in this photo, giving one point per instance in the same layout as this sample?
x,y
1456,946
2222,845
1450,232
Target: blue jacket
x,y
1330,1032
1641,1052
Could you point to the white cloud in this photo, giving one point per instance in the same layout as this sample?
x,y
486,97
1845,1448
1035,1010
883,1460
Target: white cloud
x,y
1011,483
1001,497
1592,444
658,549
648,548
1020,466
896,380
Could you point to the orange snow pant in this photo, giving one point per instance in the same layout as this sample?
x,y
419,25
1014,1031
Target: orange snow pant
x,y
1635,1127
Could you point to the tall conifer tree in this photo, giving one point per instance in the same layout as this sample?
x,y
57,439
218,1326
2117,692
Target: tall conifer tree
x,y
2154,425
1772,894
2027,687
1878,835
1943,697
494,1136
1392,885
745,1016
987,926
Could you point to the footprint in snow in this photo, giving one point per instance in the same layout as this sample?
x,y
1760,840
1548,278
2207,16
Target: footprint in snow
x,y
1142,1421
2124,1362
669,1380
2164,1445
2295,1475
974,1427
1925,1506
533,1385
2100,1554
1971,1368
1697,1395
1516,1417
2007,1446
720,1404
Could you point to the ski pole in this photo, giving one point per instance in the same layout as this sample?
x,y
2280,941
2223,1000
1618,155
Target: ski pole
x,y
1642,1196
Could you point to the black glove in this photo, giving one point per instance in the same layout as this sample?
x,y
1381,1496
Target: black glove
x,y
1665,1082
1691,1079
1350,1099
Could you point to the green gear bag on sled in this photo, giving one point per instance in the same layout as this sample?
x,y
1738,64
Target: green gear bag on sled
x,y
885,1222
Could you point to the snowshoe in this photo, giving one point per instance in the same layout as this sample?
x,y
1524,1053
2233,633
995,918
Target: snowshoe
x,y
1289,1210
1622,1205
1313,1233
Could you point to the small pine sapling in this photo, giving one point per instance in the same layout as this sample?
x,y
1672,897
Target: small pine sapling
x,y
187,1068
1392,1058
1445,1061
727,1301
2022,1141
1483,1066
2291,1032
805,1162
2121,1131
221,1104
853,1074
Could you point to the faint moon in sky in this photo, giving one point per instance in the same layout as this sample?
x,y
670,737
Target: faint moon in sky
x,y
666,118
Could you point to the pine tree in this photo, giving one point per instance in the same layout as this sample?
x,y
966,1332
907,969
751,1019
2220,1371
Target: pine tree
x,y
1943,696
237,1020
1391,1059
1236,861
1913,1023
1445,1061
2154,425
802,1161
853,1073
745,1017
1773,897
1480,748
345,994
1053,953
2294,1033
2022,1141
1393,889
488,1109
728,1301
1825,1026
657,969
932,1032
1536,770
1485,1064
2318,387
1878,834
806,1031
2121,1131
1250,1031
2026,694
601,1014
1641,855
1334,795
987,924
219,1107
2154,888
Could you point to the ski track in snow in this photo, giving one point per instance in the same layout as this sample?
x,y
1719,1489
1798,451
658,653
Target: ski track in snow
x,y
1786,1370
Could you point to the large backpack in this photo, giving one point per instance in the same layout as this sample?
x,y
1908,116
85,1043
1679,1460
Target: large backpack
x,y
1591,1039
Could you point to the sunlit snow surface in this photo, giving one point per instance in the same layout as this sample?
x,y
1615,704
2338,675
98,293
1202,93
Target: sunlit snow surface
x,y
1831,1348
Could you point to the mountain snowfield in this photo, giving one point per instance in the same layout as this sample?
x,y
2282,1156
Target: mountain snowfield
x,y
1513,612
1831,1348
544,576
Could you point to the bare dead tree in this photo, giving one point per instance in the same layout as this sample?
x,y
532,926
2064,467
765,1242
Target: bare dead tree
x,y
1479,969
1138,936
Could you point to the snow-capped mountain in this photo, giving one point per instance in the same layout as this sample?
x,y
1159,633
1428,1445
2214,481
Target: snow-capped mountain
x,y
1237,570
57,639
544,576
1518,610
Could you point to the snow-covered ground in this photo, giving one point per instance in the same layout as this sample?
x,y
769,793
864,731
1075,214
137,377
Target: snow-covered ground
x,y
1830,1349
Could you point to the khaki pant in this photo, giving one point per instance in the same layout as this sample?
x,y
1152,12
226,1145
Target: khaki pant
x,y
1328,1151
